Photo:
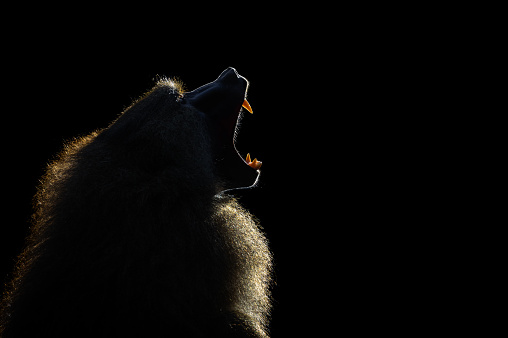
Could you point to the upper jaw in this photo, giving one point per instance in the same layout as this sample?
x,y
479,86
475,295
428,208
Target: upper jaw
x,y
222,97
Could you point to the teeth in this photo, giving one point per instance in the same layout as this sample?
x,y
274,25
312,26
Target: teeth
x,y
246,105
253,164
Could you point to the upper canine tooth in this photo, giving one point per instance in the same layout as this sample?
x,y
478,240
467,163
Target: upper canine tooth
x,y
246,105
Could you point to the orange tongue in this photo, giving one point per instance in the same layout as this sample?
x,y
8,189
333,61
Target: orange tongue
x,y
246,105
253,164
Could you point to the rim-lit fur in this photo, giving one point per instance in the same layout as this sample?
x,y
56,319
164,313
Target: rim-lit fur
x,y
130,239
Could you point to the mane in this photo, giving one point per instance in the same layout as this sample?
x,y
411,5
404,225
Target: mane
x,y
130,237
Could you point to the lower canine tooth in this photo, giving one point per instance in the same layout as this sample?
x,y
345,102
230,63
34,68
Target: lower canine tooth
x,y
254,163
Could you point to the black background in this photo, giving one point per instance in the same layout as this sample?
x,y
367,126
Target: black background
x,y
356,115
326,124
54,98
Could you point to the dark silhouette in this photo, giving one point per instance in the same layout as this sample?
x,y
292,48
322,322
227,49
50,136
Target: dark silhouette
x,y
132,234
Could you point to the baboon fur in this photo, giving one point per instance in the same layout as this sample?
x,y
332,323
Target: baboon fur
x,y
131,238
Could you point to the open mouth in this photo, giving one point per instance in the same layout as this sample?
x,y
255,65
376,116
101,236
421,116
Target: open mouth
x,y
255,164
221,102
